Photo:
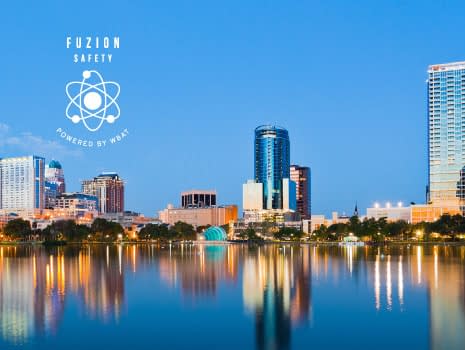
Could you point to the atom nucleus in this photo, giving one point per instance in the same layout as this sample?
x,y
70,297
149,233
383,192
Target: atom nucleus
x,y
92,100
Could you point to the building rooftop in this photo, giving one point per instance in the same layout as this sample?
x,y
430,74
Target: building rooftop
x,y
446,66
54,164
111,174
198,192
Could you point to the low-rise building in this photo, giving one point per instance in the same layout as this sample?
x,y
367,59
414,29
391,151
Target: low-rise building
x,y
431,212
129,219
389,212
213,216
75,204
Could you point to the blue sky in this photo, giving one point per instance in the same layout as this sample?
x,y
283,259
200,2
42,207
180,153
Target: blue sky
x,y
347,79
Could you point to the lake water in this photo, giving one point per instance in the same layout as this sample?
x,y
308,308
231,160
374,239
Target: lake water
x,y
232,297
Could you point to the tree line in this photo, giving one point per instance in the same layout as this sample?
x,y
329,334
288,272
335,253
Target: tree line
x,y
100,230
446,227
63,230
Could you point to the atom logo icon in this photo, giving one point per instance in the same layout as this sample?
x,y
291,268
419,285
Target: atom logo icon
x,y
92,101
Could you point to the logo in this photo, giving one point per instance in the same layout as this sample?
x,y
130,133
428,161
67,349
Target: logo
x,y
92,107
92,101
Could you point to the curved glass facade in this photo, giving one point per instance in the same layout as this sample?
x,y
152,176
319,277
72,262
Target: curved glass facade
x,y
272,163
215,233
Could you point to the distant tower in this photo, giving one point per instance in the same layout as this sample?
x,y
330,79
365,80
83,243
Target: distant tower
x,y
302,177
54,182
272,164
356,210
109,189
446,135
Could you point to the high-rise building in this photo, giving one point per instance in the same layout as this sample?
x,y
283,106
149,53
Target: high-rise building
x,y
22,183
446,134
54,182
272,163
302,177
271,195
109,190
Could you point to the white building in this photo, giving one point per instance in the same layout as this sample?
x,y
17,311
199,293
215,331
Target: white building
x,y
252,195
22,184
253,203
390,212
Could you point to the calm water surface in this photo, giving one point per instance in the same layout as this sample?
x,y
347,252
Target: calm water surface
x,y
232,297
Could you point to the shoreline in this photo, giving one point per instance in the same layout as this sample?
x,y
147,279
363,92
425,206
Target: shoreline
x,y
224,243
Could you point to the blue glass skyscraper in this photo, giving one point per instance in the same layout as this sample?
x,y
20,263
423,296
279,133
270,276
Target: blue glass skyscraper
x,y
272,164
446,133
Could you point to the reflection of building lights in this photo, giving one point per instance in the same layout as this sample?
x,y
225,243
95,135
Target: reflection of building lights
x,y
400,283
377,283
388,283
350,258
436,273
419,263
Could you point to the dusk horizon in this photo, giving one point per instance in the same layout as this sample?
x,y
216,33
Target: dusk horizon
x,y
347,81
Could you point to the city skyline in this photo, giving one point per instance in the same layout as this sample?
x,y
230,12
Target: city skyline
x,y
336,92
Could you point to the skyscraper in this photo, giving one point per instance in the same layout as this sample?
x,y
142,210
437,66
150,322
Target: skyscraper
x,y
271,195
22,183
302,177
109,189
54,182
272,162
446,134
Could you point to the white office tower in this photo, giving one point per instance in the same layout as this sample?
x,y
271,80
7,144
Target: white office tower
x,y
22,184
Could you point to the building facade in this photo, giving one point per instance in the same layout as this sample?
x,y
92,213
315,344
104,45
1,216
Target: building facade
x,y
271,195
446,134
76,204
212,216
109,190
54,182
272,163
198,199
389,212
431,212
252,195
22,184
301,175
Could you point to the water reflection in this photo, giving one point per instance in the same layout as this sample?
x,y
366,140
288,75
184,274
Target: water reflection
x,y
276,286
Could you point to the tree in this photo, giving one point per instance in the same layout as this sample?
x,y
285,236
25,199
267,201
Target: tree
x,y
321,233
397,228
67,230
107,230
18,229
184,231
338,230
355,226
288,233
200,229
250,234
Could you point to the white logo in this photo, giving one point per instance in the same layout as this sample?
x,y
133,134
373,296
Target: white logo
x,y
92,101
